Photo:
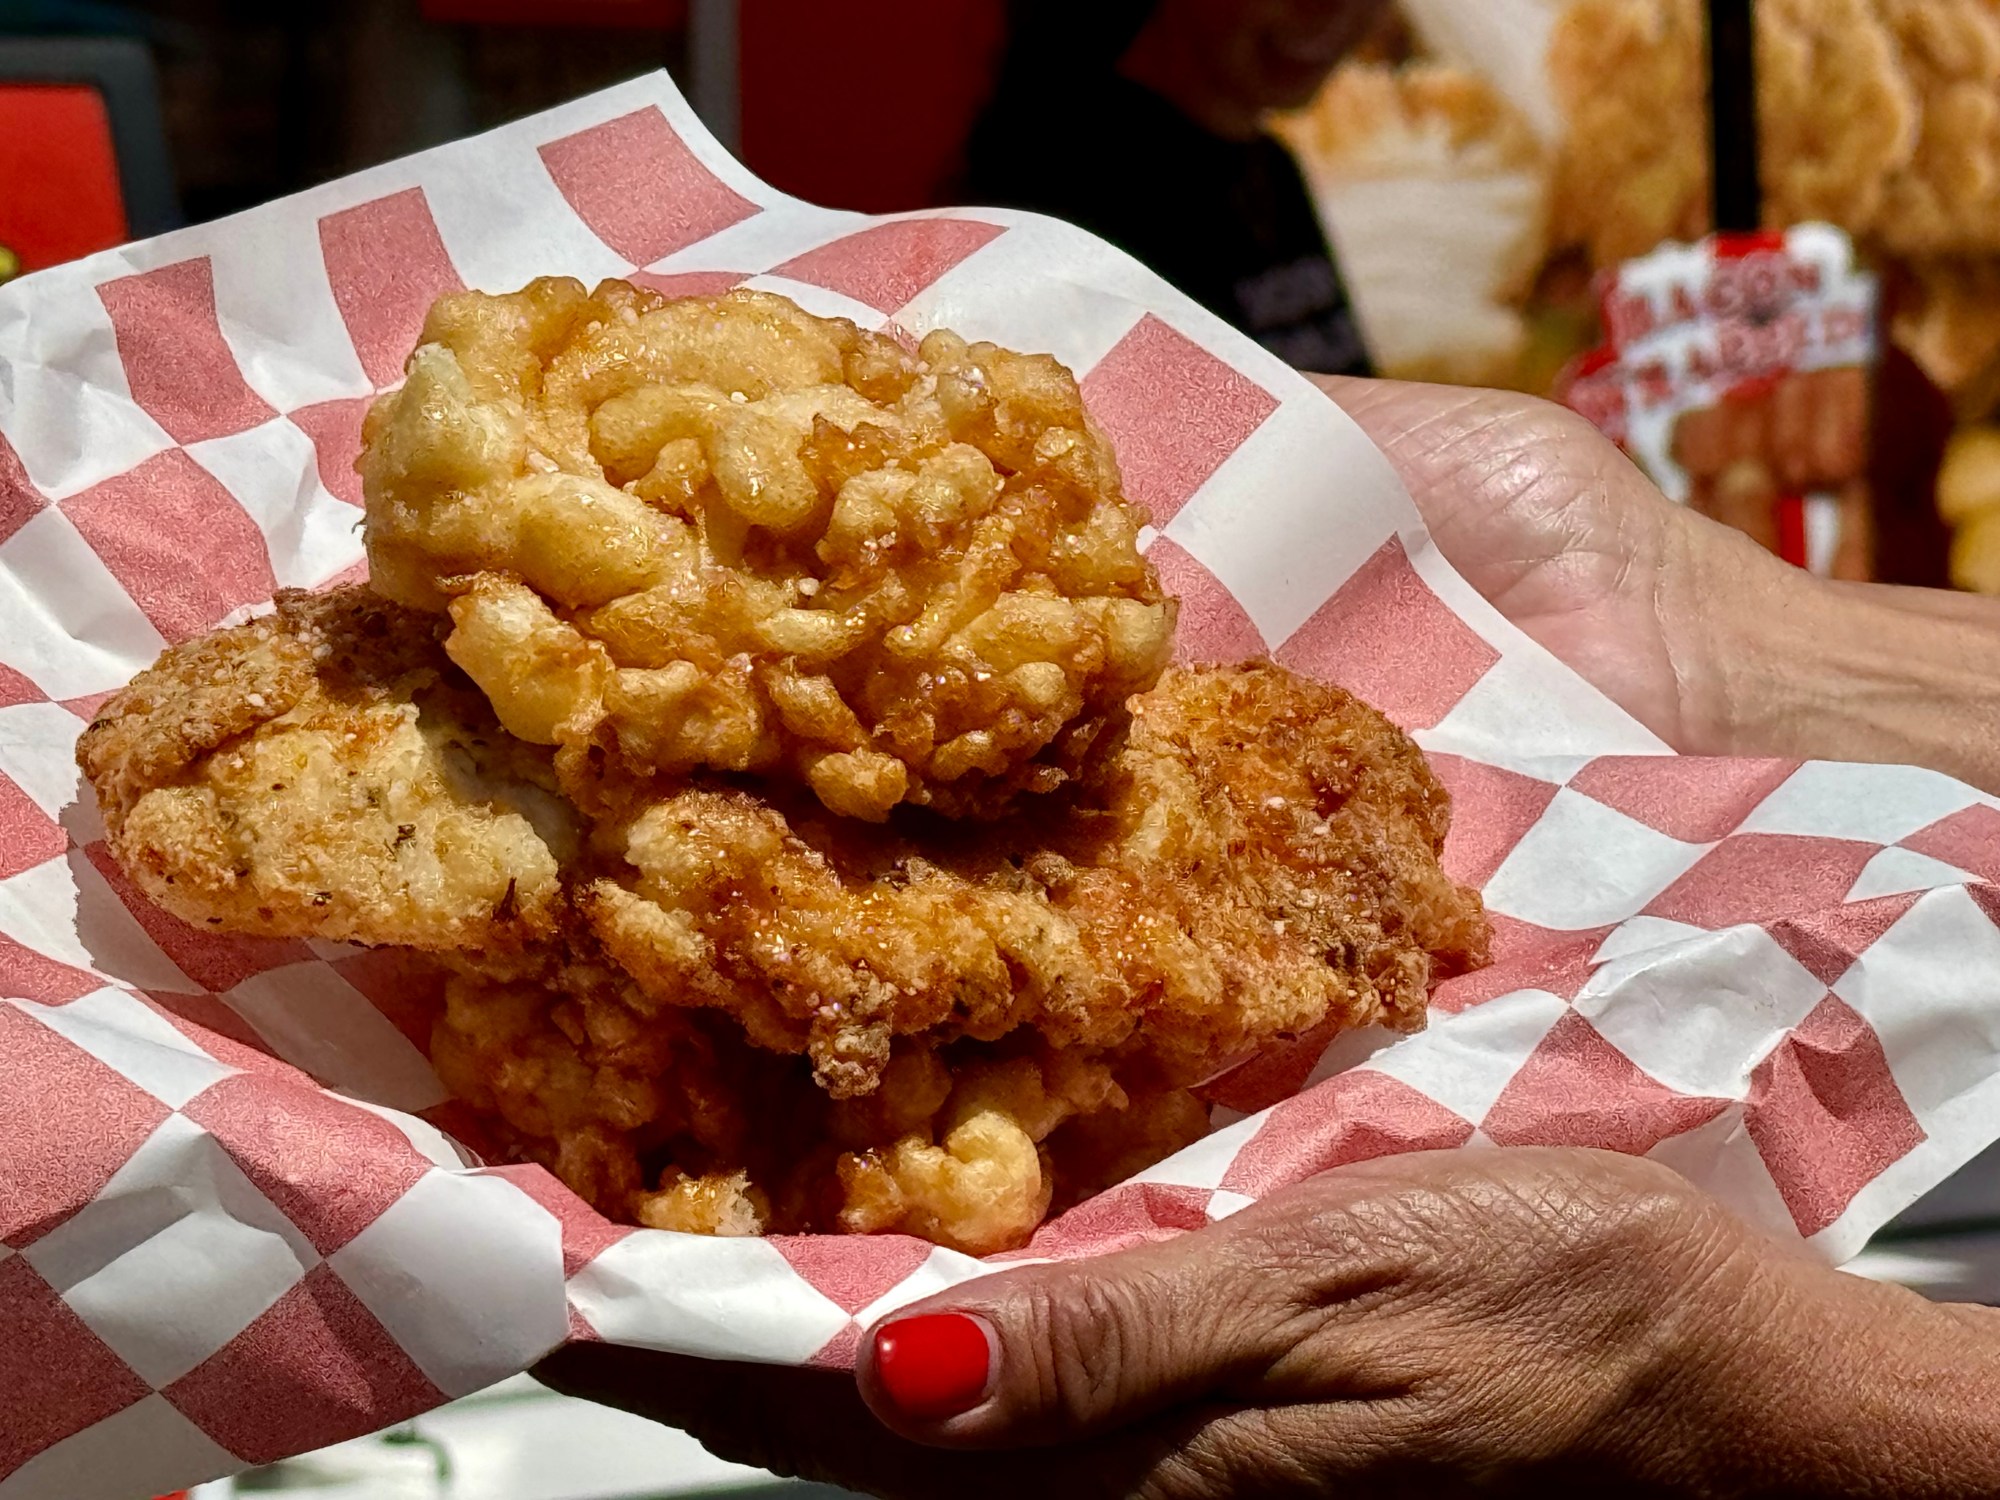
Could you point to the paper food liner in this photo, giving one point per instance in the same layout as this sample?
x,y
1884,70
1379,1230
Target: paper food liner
x,y
226,1233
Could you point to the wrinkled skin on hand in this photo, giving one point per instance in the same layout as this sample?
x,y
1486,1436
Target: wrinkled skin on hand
x,y
1442,1324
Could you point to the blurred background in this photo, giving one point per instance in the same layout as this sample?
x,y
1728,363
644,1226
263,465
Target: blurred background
x,y
1426,189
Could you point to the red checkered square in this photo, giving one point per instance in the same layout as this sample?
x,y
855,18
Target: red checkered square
x,y
210,959
1576,1089
406,987
1136,1213
1355,1117
16,688
19,499
691,283
1827,1116
211,1025
71,1123
1525,957
28,975
842,1351
1695,801
1828,942
181,371
634,181
1491,810
86,707
887,265
853,1271
1987,899
1276,1073
352,576
586,1234
387,265
331,1168
1389,639
1215,408
56,1376
181,545
1755,877
314,1370
1969,840
1214,627
28,836
335,430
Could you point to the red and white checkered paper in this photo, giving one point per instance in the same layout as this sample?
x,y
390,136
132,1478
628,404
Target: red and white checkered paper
x,y
227,1231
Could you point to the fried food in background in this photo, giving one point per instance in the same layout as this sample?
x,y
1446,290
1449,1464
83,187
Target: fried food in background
x,y
1259,856
1969,502
1807,435
1946,199
721,534
1840,117
325,772
1950,320
1436,196
1880,116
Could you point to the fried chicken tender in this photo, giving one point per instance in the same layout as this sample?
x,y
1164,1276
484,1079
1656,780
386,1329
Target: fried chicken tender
x,y
720,534
1260,855
324,772
673,1121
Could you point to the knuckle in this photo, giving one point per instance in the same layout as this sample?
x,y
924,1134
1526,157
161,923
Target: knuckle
x,y
1087,1334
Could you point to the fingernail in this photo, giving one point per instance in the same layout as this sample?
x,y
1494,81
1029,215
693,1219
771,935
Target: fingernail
x,y
936,1366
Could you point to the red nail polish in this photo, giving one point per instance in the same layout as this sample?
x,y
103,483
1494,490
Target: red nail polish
x,y
936,1366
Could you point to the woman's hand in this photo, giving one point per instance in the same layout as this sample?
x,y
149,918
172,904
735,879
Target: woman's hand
x,y
1493,1322
1703,636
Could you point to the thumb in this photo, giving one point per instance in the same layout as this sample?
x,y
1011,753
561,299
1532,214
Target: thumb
x,y
1053,1354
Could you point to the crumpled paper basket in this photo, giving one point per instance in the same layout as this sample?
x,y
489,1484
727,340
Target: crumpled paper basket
x,y
228,1232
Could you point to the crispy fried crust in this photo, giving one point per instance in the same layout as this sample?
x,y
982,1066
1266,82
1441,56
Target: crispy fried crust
x,y
672,1120
730,1012
722,534
1260,855
324,772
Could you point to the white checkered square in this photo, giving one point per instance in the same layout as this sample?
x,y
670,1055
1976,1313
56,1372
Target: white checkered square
x,y
1896,872
469,1309
146,1449
1867,804
732,1299
1733,996
1930,987
317,1021
273,471
181,1227
116,1029
1585,865
64,909
1466,1061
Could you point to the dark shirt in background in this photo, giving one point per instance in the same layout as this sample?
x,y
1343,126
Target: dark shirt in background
x,y
1230,223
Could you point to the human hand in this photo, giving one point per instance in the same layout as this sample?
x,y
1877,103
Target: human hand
x,y
1492,1322
1696,631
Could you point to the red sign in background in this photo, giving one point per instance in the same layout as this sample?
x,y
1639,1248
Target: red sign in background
x,y
59,192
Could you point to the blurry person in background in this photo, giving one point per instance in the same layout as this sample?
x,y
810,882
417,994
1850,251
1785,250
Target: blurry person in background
x,y
1142,121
